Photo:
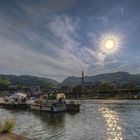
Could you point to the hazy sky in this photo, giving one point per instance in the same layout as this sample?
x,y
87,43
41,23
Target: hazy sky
x,y
59,38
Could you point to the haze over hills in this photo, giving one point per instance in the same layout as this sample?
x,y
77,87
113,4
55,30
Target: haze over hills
x,y
27,80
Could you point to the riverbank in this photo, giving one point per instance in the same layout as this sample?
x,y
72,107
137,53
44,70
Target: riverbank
x,y
11,136
109,98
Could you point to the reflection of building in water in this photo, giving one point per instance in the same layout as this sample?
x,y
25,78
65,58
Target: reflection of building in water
x,y
114,131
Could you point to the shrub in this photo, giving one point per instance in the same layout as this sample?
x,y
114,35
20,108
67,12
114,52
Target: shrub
x,y
8,126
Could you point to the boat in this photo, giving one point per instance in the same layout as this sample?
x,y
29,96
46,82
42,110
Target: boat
x,y
73,106
48,105
44,103
17,101
55,105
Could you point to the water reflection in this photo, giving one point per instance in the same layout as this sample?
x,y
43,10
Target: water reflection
x,y
102,120
51,119
114,130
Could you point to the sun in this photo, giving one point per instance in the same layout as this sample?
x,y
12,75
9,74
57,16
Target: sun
x,y
109,44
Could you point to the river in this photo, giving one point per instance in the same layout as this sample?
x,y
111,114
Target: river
x,y
97,120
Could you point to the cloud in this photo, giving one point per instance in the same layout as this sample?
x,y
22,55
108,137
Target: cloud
x,y
47,38
101,57
106,67
56,53
34,11
72,51
103,19
63,26
28,52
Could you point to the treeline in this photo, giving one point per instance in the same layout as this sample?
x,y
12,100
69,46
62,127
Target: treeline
x,y
104,90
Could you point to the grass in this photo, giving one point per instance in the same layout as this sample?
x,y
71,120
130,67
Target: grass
x,y
7,126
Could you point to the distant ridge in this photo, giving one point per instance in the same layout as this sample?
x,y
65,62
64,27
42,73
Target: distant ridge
x,y
118,77
29,80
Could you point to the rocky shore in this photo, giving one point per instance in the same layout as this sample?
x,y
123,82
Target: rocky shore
x,y
11,136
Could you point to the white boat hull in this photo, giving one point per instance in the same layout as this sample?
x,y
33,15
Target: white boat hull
x,y
57,107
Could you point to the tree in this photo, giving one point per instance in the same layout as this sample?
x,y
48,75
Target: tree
x,y
77,91
106,87
4,82
130,86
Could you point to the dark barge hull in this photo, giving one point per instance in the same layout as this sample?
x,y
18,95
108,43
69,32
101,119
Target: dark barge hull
x,y
14,106
73,107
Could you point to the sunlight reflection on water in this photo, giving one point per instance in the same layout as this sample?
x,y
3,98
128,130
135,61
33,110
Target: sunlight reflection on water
x,y
114,131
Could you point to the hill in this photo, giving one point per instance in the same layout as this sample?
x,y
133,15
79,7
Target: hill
x,y
118,77
28,80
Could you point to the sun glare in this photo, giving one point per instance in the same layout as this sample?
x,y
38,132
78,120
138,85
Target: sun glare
x,y
109,44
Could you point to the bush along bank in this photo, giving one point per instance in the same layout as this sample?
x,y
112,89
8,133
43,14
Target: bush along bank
x,y
6,129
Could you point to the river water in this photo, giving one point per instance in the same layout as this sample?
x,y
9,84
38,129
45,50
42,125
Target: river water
x,y
97,120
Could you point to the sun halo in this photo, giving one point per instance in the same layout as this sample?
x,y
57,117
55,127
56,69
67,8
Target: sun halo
x,y
109,44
